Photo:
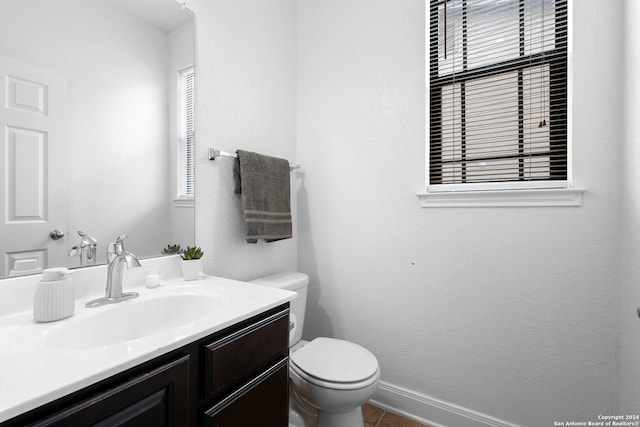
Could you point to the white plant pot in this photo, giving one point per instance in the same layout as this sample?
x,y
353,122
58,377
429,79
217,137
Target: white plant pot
x,y
191,269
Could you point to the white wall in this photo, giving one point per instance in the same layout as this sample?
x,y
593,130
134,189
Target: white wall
x,y
505,313
117,70
630,335
245,99
510,312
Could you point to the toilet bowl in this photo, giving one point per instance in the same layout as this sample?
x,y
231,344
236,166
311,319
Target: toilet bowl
x,y
329,378
336,377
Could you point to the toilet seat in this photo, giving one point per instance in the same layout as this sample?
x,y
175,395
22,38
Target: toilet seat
x,y
335,364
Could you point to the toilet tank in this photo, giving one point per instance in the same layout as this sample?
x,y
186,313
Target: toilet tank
x,y
296,282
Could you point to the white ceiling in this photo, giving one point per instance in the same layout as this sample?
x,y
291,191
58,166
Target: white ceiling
x,y
164,14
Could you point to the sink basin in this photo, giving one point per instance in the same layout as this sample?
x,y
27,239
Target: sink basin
x,y
131,320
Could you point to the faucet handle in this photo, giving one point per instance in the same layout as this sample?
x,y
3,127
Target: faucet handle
x,y
116,248
86,239
119,244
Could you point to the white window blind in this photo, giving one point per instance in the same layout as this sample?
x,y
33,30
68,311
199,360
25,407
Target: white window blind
x,y
187,132
497,91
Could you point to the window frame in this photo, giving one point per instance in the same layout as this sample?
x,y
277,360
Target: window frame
x,y
542,192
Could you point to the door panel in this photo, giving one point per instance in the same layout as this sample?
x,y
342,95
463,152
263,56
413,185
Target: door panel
x,y
33,153
26,182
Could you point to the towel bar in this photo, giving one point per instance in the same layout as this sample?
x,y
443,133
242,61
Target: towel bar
x,y
213,153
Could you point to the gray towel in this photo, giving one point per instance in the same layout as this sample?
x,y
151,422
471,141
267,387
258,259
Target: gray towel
x,y
264,184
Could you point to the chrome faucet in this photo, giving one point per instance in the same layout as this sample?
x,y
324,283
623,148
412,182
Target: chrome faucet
x,y
86,251
118,258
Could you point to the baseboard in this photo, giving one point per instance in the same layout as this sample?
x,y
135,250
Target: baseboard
x,y
428,410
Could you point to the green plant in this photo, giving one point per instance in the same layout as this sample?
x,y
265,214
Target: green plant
x,y
171,250
191,252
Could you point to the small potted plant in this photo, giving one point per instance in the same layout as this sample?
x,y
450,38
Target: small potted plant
x,y
171,250
191,262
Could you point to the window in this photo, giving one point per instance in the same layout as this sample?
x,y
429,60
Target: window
x,y
186,133
497,94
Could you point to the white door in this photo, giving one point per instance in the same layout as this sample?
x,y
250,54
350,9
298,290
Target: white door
x,y
33,163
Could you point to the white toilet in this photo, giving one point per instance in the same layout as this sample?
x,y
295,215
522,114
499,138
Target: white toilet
x,y
329,378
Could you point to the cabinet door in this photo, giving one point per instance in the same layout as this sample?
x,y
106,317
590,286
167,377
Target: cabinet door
x,y
156,398
261,402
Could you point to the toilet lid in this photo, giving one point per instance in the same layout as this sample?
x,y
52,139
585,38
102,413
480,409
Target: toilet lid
x,y
334,360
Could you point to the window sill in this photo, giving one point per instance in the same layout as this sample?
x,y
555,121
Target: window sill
x,y
503,198
183,202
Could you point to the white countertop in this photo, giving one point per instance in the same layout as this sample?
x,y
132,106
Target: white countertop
x,y
34,372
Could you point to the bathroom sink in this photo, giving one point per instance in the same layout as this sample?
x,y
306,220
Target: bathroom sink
x,y
132,320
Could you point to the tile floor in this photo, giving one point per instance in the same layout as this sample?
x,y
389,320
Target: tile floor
x,y
376,417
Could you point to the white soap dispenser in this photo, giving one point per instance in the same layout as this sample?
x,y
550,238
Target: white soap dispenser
x,y
55,296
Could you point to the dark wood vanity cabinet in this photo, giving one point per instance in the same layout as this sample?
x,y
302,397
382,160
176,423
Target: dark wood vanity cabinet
x,y
237,377
245,373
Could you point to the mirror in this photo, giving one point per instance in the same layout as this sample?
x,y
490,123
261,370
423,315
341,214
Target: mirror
x,y
119,169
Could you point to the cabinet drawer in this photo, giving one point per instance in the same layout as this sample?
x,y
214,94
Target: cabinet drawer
x,y
263,402
241,355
